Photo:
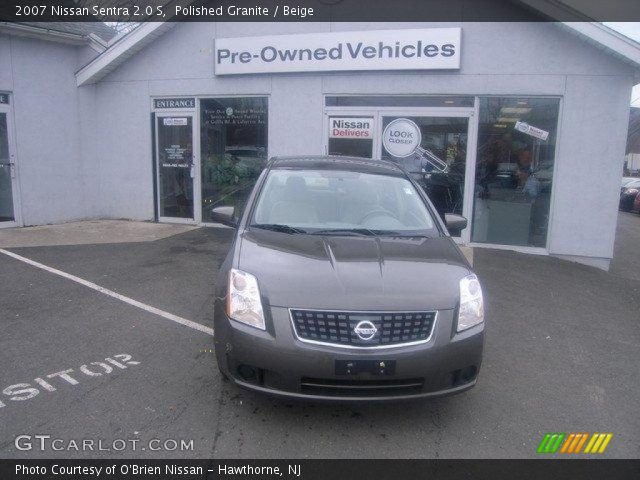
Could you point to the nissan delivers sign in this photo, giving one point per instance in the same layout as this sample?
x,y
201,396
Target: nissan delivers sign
x,y
351,127
415,49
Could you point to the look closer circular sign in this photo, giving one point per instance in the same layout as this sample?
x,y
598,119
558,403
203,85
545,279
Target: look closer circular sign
x,y
401,137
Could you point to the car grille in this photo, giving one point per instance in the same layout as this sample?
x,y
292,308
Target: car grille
x,y
338,328
361,388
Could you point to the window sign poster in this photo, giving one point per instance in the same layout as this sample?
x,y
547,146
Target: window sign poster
x,y
242,115
402,137
174,121
350,127
531,130
176,156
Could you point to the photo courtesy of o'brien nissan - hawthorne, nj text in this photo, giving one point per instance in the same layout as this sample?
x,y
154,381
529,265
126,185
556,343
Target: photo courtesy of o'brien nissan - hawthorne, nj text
x,y
319,239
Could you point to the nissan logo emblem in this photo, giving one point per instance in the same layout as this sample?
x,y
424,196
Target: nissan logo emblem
x,y
365,330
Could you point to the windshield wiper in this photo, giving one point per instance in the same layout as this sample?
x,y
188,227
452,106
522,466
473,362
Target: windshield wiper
x,y
277,227
345,231
367,232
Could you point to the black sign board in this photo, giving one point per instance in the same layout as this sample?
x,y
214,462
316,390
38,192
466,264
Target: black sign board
x,y
174,103
4,98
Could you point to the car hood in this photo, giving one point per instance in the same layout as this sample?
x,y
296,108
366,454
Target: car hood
x,y
353,273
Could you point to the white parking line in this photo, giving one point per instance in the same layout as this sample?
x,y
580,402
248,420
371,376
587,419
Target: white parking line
x,y
111,293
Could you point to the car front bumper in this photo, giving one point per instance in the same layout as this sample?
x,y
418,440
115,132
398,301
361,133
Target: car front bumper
x,y
286,366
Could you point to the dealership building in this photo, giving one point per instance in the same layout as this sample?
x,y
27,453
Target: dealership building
x,y
520,127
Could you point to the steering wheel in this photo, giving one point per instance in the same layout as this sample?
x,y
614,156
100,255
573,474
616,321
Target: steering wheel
x,y
376,213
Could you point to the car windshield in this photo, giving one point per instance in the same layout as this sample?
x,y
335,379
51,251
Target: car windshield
x,y
341,202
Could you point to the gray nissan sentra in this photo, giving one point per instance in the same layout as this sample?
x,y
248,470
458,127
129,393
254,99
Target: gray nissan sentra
x,y
343,283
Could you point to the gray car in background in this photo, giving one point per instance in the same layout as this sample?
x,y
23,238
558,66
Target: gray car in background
x,y
342,283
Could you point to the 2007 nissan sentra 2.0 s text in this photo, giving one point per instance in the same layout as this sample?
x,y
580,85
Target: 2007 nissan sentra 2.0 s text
x,y
343,283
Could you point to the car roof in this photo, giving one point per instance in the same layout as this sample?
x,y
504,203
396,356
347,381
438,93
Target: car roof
x,y
334,162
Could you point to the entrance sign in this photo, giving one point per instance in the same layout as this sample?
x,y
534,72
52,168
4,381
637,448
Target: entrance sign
x,y
351,127
174,103
409,49
531,130
401,137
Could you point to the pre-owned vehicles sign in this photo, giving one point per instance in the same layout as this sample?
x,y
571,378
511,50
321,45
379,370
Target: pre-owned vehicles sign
x,y
410,49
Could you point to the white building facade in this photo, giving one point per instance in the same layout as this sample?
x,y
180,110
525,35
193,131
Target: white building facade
x,y
521,126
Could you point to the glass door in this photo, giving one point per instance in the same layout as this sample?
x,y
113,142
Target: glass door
x,y
8,186
175,166
435,150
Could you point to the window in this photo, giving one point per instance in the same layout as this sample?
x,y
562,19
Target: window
x,y
398,101
313,200
233,145
514,170
439,164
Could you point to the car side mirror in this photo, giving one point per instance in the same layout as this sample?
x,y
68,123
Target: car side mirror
x,y
224,215
455,223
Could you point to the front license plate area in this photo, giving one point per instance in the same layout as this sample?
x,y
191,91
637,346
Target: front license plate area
x,y
373,367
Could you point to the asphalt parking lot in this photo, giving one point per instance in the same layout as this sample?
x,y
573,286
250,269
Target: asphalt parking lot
x,y
561,355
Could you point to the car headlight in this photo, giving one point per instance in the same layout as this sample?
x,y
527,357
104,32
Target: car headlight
x,y
243,302
471,310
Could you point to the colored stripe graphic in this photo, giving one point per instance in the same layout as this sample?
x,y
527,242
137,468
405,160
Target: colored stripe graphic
x,y
574,443
565,446
551,442
581,443
598,443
